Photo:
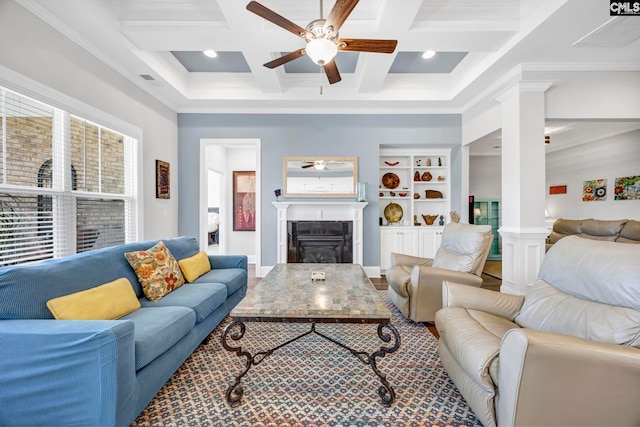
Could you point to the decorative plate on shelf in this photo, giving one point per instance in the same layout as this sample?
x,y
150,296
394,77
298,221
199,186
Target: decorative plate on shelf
x,y
390,180
393,212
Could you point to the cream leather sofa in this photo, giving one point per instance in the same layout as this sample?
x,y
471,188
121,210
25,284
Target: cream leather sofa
x,y
620,230
415,283
566,353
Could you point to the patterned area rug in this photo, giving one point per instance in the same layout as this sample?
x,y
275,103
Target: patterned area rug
x,y
312,382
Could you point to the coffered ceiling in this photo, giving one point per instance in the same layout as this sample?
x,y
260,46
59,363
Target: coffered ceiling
x,y
158,45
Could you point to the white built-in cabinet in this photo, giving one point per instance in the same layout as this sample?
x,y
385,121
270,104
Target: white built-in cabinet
x,y
417,172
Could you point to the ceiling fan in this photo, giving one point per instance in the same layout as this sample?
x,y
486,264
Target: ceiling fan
x,y
318,164
322,37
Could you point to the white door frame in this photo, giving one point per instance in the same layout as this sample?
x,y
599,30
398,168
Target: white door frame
x,y
225,211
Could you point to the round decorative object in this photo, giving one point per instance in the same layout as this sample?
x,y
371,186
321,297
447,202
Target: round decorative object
x,y
390,180
393,212
427,176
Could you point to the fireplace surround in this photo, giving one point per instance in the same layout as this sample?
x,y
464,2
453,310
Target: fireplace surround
x,y
316,213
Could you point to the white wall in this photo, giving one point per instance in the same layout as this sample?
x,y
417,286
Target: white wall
x,y
33,55
609,158
213,189
485,177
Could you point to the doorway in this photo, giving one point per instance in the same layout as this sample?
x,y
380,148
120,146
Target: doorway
x,y
219,158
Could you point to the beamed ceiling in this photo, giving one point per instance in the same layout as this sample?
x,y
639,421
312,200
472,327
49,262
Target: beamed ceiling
x,y
158,45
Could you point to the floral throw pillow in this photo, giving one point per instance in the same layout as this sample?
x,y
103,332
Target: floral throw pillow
x,y
157,270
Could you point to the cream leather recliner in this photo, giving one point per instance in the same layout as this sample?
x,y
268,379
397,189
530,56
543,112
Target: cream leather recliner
x,y
415,283
566,353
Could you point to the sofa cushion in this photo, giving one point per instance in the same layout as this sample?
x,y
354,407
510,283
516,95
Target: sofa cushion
x,y
461,246
157,270
156,329
549,309
233,278
105,302
568,226
203,298
630,233
598,227
589,289
605,272
195,266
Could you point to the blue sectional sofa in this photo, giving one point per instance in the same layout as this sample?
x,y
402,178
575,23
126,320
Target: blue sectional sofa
x,y
102,372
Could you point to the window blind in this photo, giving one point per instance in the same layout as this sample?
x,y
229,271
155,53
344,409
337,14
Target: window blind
x,y
66,184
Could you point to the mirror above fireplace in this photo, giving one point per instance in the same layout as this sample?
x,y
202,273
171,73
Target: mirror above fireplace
x,y
320,177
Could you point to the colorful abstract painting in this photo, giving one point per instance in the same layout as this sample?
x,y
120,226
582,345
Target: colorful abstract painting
x,y
594,190
627,188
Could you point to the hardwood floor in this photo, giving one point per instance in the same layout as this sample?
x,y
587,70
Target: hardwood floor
x,y
488,282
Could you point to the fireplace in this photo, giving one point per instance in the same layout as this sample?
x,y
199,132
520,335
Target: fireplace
x,y
320,241
334,245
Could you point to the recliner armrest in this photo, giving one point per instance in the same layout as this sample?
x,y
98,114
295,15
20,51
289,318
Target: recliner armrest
x,y
460,295
552,379
402,259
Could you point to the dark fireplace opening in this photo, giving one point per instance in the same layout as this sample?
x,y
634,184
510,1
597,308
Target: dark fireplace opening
x,y
320,241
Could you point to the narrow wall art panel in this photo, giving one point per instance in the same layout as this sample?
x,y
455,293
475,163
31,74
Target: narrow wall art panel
x,y
627,188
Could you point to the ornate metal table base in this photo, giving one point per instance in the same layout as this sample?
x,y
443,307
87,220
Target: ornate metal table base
x,y
236,329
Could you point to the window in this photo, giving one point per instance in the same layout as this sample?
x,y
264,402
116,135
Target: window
x,y
67,185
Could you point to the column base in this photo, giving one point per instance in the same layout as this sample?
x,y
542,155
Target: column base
x,y
523,250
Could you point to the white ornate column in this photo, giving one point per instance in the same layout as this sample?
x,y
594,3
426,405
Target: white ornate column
x,y
523,228
320,211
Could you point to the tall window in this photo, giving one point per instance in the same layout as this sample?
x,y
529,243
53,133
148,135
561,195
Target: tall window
x,y
66,185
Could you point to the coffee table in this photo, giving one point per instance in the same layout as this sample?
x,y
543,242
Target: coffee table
x,y
288,294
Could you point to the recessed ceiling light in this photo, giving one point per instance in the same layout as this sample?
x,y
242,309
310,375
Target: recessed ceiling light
x,y
428,54
210,53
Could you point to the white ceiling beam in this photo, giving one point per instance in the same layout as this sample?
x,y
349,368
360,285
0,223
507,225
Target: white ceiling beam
x,y
393,20
245,27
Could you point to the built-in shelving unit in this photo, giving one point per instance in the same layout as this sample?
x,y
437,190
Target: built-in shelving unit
x,y
423,188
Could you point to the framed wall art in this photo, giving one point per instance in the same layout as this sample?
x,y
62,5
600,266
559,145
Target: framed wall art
x,y
627,188
244,200
163,180
594,190
558,189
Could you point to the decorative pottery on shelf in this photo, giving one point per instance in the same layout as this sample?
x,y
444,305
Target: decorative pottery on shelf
x,y
434,194
393,212
402,194
455,216
390,180
440,178
391,163
429,219
427,176
416,196
416,176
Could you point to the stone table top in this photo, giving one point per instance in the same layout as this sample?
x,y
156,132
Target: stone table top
x,y
287,294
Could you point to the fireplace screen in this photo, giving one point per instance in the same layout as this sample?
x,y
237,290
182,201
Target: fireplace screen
x,y
320,241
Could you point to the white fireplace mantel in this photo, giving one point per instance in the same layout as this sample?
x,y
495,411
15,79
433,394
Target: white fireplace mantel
x,y
320,211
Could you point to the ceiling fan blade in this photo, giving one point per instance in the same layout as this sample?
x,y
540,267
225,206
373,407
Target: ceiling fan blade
x,y
307,166
285,58
279,20
331,70
367,45
339,14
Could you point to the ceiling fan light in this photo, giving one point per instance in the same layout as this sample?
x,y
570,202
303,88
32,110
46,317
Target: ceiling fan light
x,y
321,51
210,53
428,54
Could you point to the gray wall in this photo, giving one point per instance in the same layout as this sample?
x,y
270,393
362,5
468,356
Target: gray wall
x,y
307,135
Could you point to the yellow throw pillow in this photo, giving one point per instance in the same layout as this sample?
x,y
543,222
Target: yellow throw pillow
x,y
157,270
195,266
105,302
